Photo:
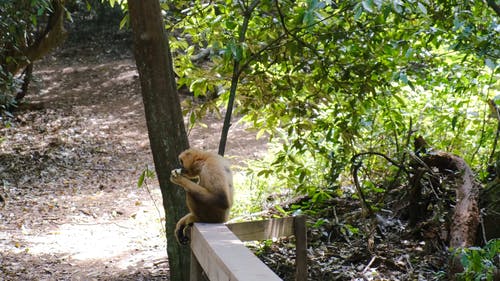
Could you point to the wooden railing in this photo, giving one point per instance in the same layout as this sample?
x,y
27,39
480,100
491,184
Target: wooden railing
x,y
218,252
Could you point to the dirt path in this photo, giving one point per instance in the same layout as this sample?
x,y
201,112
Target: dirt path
x,y
69,172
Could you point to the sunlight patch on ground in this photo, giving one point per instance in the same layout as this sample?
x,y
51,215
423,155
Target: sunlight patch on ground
x,y
118,242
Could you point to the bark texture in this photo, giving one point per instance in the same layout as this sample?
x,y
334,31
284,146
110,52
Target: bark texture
x,y
166,130
465,219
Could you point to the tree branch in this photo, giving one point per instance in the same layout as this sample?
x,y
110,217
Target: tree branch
x,y
234,80
354,171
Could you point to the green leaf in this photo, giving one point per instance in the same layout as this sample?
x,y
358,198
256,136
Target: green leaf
x,y
281,210
319,223
403,77
368,5
231,25
264,173
40,11
140,182
422,8
358,12
124,21
236,51
192,118
397,6
33,19
490,64
260,133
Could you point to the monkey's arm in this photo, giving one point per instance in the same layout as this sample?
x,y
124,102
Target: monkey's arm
x,y
214,196
189,185
218,196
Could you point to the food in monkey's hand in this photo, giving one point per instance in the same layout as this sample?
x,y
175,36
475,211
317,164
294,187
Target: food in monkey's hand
x,y
176,172
210,198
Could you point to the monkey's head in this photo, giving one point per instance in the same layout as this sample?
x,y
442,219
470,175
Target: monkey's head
x,y
191,161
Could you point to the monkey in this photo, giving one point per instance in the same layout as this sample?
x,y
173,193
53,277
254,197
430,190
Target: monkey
x,y
207,179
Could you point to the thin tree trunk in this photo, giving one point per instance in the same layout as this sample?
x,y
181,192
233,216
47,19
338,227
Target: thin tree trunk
x,y
235,78
28,74
166,130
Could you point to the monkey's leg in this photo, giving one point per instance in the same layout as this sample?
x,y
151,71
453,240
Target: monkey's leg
x,y
181,227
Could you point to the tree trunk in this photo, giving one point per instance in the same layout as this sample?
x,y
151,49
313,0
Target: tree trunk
x,y
53,36
166,130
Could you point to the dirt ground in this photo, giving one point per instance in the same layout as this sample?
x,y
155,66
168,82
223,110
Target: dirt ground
x,y
69,170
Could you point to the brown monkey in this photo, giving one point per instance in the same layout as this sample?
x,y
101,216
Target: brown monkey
x,y
210,198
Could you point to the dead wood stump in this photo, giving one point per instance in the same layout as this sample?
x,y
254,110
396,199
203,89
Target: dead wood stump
x,y
465,219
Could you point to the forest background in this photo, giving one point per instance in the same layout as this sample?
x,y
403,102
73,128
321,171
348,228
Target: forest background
x,y
339,88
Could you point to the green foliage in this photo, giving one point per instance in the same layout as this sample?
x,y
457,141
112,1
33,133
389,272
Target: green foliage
x,y
144,176
480,263
327,80
18,25
255,194
123,4
9,85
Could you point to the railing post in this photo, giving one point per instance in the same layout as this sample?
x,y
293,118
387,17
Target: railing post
x,y
301,248
275,228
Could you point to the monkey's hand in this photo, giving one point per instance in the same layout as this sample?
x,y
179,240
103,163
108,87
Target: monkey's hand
x,y
176,176
176,172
